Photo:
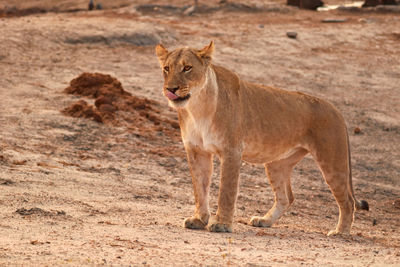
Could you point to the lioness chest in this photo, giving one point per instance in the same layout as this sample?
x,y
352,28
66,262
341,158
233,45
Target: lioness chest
x,y
199,133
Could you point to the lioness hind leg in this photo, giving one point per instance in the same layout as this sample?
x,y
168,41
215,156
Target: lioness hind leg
x,y
278,173
339,187
338,183
336,171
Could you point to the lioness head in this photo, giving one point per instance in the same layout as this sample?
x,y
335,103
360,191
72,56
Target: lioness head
x,y
184,71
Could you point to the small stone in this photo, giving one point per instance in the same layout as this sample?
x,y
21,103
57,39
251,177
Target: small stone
x,y
292,35
396,203
369,3
357,130
329,20
189,11
374,222
91,5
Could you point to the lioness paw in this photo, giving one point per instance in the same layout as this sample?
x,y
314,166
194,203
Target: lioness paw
x,y
219,227
260,222
194,223
338,233
215,226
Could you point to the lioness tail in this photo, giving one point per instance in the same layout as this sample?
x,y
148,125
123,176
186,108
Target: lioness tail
x,y
360,205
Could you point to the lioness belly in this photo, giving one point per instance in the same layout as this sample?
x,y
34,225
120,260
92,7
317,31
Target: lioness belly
x,y
259,154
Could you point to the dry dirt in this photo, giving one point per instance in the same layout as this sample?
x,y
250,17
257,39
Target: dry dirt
x,y
113,188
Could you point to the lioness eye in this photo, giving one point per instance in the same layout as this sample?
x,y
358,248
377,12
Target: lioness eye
x,y
166,68
187,68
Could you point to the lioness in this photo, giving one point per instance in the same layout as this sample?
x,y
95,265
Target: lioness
x,y
237,120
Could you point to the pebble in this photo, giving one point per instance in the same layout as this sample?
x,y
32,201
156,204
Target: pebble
x,y
190,11
396,203
333,20
292,35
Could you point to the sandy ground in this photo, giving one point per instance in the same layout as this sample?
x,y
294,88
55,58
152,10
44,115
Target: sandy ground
x,y
77,192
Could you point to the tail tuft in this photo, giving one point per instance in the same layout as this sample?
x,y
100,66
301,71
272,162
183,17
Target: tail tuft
x,y
363,205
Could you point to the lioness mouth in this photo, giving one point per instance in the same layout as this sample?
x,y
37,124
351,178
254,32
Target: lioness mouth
x,y
173,97
182,98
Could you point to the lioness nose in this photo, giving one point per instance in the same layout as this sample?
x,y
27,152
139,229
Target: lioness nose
x,y
173,89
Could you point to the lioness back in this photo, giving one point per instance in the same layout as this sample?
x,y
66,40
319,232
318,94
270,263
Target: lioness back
x,y
264,114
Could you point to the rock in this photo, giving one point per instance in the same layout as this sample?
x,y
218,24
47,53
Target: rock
x,y
91,5
305,4
370,3
189,11
292,35
40,212
169,162
389,2
293,3
357,130
330,20
354,9
388,9
6,182
396,203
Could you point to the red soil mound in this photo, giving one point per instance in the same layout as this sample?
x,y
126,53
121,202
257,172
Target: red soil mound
x,y
82,109
115,106
95,85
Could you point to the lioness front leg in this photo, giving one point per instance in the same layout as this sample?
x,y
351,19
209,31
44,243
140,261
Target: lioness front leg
x,y
200,164
229,182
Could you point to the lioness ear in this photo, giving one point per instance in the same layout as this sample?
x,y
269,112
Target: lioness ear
x,y
161,53
206,52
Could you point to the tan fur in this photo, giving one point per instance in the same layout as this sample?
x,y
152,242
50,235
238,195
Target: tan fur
x,y
238,120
